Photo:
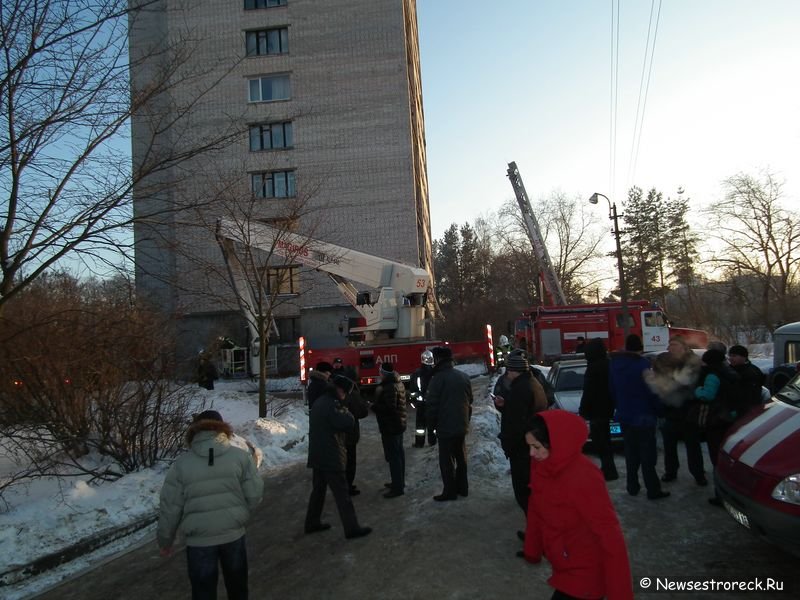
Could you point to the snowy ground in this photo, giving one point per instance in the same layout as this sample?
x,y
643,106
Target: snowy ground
x,y
47,516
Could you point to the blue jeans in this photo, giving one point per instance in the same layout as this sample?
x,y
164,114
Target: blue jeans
x,y
396,457
203,562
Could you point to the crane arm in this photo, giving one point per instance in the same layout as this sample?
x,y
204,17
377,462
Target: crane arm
x,y
371,271
398,311
549,276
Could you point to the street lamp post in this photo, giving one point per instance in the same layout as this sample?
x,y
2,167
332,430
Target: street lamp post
x,y
623,290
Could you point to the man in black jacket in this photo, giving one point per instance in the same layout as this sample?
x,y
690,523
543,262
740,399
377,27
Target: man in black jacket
x,y
357,406
448,412
597,405
751,377
329,420
390,408
526,397
318,381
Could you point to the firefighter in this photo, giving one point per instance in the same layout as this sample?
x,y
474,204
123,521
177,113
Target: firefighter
x,y
418,388
503,348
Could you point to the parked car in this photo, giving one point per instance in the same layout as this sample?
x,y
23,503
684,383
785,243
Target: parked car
x,y
758,470
564,388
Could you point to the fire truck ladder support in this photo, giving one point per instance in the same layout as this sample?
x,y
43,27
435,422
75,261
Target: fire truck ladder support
x,y
551,283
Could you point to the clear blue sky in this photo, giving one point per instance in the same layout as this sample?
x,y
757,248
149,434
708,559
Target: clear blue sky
x,y
530,81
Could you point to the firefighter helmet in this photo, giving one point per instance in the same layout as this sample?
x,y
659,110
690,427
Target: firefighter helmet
x,y
427,357
503,340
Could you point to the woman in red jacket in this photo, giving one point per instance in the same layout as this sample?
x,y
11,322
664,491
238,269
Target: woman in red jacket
x,y
571,520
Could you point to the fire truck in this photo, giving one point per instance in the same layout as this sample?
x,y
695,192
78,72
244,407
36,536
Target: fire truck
x,y
394,302
548,332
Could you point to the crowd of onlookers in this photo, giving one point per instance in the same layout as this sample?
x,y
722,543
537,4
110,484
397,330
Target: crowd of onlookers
x,y
209,491
569,515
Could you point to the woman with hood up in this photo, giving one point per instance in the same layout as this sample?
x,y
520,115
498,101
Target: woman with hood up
x,y
571,520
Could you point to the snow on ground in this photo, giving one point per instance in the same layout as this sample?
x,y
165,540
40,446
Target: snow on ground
x,y
49,515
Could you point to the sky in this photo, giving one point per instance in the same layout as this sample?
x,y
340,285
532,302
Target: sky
x,y
531,81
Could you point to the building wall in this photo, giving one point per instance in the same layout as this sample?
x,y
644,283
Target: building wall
x,y
358,153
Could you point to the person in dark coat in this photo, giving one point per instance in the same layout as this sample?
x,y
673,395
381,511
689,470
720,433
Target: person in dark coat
x,y
751,376
597,405
571,520
206,372
637,409
525,398
339,368
673,378
357,406
329,421
318,381
390,409
719,392
419,384
448,412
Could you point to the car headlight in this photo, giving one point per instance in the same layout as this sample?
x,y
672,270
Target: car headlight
x,y
788,490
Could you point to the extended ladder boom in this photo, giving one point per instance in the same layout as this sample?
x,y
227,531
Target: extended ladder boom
x,y
551,283
397,312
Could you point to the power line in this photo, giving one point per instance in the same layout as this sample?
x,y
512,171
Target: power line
x,y
612,162
639,123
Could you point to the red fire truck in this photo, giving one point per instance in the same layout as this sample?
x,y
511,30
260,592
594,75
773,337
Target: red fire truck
x,y
404,356
547,332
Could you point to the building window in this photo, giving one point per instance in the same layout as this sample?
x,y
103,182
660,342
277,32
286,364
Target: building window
x,y
267,41
273,184
283,280
253,4
288,329
271,136
269,88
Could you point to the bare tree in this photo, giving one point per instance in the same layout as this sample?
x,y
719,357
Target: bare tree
x,y
257,269
760,240
66,107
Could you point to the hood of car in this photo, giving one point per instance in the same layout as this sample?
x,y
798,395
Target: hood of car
x,y
767,440
569,400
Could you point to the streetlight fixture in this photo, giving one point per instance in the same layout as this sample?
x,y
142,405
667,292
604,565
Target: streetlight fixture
x,y
623,290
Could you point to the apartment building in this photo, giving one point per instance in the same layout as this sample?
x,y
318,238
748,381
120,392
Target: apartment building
x,y
325,98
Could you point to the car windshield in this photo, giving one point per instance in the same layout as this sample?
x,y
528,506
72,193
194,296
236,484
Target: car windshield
x,y
570,379
790,393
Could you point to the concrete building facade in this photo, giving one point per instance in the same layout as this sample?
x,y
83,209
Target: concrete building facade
x,y
324,100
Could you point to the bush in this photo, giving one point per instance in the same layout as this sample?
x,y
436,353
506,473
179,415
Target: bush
x,y
83,370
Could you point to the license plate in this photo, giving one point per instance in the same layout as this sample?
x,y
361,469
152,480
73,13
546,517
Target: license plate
x,y
738,515
615,429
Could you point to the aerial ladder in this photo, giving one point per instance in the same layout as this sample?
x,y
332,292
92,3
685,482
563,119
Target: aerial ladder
x,y
547,271
398,311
